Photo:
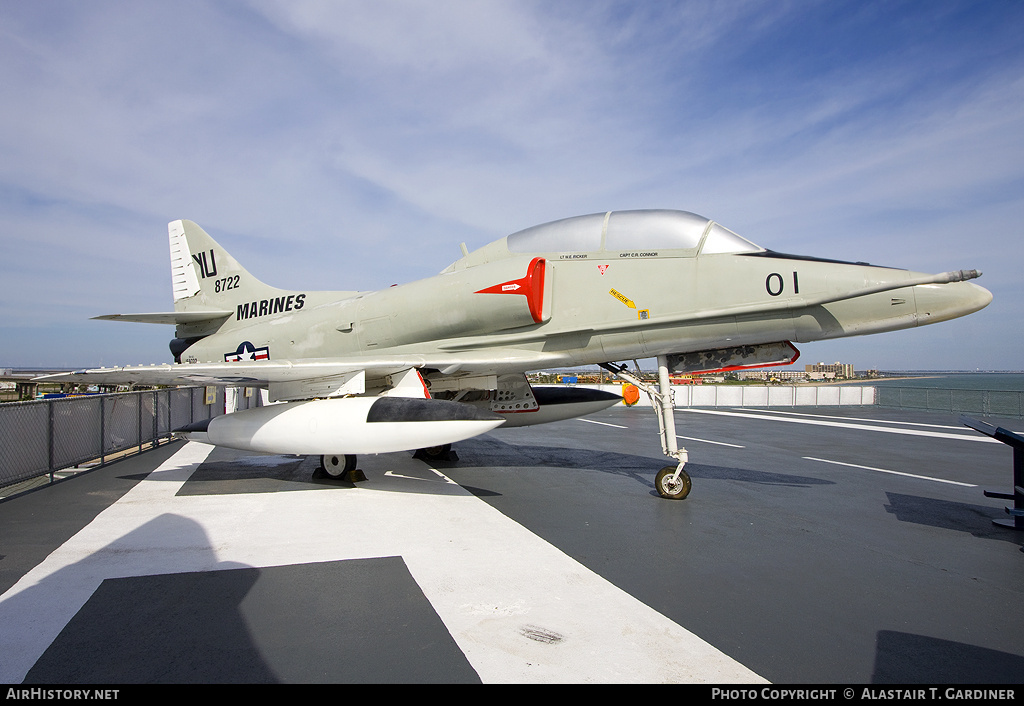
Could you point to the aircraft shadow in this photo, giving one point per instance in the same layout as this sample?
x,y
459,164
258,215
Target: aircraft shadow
x,y
228,472
232,623
121,634
903,658
945,514
489,451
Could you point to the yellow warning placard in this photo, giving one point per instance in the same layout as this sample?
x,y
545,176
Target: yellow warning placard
x,y
622,298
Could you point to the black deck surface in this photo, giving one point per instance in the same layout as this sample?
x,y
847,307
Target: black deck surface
x,y
825,545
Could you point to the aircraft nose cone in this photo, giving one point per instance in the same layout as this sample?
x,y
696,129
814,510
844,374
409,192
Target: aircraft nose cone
x,y
942,302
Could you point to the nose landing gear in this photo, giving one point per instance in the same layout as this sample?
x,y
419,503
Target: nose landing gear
x,y
671,482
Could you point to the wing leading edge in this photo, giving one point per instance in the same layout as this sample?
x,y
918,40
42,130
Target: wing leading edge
x,y
266,372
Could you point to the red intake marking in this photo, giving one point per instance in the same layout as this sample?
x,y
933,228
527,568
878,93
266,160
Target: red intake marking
x,y
531,286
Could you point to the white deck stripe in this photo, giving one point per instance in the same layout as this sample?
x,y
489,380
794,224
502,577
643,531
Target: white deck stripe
x,y
844,425
709,441
862,419
687,438
604,424
490,580
895,473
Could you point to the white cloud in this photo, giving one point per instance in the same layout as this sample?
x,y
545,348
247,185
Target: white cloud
x,y
338,145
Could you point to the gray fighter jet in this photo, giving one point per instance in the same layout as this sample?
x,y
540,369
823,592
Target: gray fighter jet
x,y
442,359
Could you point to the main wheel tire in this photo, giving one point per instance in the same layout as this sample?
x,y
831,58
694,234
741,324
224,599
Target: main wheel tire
x,y
673,491
336,466
435,453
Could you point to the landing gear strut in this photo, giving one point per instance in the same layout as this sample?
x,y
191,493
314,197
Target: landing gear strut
x,y
672,482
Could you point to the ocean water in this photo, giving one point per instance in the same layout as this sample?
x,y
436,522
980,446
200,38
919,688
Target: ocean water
x,y
1013,382
977,394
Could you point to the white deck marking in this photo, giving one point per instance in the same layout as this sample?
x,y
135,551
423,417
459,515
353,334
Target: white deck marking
x,y
709,441
862,419
688,438
895,473
492,582
441,477
604,424
843,425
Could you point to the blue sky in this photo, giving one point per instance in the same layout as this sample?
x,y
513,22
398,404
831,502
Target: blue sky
x,y
353,145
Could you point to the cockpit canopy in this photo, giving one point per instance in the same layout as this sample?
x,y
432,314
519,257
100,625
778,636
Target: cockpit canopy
x,y
650,230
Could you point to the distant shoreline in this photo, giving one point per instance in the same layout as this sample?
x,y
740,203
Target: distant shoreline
x,y
820,383
887,377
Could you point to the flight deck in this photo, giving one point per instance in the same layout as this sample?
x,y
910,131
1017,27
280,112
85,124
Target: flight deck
x,y
841,545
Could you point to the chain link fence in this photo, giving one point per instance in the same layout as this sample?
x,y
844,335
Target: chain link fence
x,y
44,436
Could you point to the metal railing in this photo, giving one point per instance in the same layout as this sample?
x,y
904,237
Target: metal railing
x,y
711,395
44,436
987,403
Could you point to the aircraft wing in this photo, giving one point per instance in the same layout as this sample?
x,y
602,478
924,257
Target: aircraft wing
x,y
263,373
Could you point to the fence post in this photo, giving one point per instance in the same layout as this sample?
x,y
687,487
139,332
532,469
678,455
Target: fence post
x,y
50,440
138,401
103,430
156,418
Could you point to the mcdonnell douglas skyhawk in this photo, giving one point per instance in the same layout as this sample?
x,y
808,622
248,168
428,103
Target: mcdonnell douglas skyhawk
x,y
442,359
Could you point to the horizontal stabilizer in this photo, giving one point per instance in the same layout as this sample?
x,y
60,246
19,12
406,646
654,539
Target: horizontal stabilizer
x,y
168,317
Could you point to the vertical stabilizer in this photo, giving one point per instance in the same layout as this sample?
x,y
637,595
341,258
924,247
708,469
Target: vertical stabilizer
x,y
206,278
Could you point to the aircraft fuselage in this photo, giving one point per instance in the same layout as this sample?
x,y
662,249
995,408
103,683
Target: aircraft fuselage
x,y
582,307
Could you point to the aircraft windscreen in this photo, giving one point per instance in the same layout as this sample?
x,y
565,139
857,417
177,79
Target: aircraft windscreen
x,y
577,234
723,240
654,230
649,230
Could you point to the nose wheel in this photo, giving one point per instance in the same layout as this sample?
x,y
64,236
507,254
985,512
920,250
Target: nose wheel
x,y
672,483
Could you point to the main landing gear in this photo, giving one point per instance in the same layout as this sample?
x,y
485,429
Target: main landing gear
x,y
343,466
339,466
671,482
436,453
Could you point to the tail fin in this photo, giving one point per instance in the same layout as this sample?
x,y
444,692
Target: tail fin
x,y
206,278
